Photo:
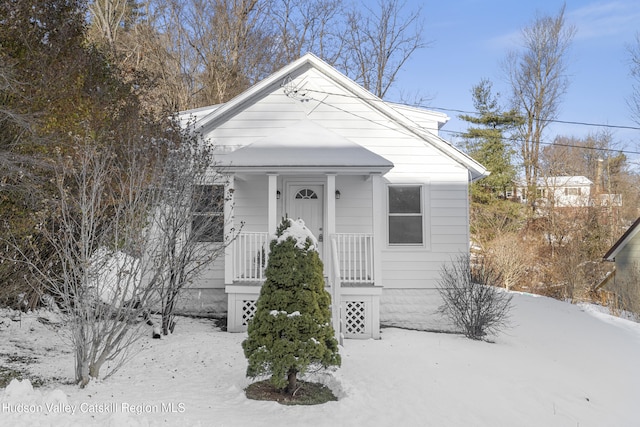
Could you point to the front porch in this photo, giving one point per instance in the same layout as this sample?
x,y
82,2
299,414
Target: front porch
x,y
306,171
349,273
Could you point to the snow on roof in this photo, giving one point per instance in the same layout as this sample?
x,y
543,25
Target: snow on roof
x,y
561,181
195,115
304,144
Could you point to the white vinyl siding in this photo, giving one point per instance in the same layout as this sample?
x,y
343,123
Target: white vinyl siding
x,y
250,198
353,209
444,182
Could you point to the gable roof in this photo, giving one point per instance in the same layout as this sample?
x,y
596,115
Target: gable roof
x,y
622,241
209,121
322,149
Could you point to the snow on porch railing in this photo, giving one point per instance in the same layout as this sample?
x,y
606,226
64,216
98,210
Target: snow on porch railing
x,y
355,255
250,256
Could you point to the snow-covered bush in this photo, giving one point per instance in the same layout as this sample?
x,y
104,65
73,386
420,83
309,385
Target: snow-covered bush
x,y
471,299
291,330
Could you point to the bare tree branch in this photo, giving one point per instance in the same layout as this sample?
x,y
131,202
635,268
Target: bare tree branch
x,y
538,79
379,42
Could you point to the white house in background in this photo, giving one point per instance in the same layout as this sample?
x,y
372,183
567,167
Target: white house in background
x,y
560,191
386,196
568,192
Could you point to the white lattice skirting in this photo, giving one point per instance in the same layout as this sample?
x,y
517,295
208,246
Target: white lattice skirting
x,y
359,314
241,306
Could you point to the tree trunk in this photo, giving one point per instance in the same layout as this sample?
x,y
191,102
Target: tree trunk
x,y
168,323
82,367
291,387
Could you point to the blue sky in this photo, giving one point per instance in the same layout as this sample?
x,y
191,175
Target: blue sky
x,y
470,39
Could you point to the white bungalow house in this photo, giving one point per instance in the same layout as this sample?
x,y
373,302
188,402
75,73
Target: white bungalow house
x,y
386,196
560,191
567,192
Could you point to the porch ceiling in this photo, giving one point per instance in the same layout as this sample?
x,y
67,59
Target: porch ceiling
x,y
304,146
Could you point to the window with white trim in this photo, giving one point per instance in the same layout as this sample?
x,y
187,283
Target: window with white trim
x,y
405,215
208,213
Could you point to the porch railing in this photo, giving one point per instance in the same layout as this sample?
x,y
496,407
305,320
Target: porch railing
x,y
354,253
250,256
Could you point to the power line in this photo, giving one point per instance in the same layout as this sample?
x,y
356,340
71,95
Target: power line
x,y
554,143
566,122
460,134
454,110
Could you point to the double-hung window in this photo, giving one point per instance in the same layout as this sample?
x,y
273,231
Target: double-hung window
x,y
405,215
208,213
572,191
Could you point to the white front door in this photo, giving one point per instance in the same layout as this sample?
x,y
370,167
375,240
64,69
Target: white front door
x,y
306,201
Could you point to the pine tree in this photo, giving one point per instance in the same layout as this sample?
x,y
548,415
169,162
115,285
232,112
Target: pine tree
x,y
291,330
486,142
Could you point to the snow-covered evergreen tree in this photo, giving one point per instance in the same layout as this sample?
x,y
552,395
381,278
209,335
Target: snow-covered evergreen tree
x,y
291,330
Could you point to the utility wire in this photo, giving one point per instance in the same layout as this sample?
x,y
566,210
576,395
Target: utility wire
x,y
460,134
555,143
454,110
566,122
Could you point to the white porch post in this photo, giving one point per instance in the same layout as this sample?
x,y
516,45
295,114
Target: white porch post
x,y
331,210
330,257
272,203
228,230
378,216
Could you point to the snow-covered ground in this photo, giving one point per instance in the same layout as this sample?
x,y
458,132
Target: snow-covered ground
x,y
559,365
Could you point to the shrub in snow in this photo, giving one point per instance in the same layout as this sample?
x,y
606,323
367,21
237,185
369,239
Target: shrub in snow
x,y
471,300
291,330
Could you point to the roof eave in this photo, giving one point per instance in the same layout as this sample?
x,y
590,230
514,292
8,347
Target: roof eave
x,y
622,241
316,169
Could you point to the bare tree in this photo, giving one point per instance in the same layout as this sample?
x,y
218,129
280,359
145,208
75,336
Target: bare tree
x,y
471,299
634,100
307,26
223,46
188,221
508,254
379,42
537,75
203,52
14,126
10,87
94,270
108,17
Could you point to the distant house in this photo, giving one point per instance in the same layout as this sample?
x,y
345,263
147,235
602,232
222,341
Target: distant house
x,y
386,197
560,191
625,280
566,192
